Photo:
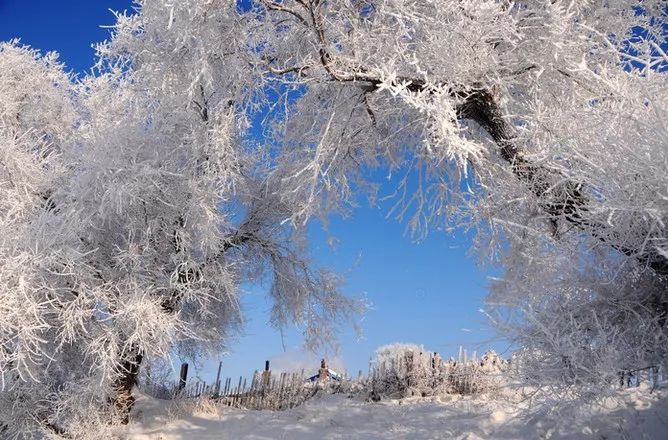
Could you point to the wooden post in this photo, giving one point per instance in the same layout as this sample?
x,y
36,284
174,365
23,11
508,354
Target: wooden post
x,y
216,384
252,391
244,395
281,391
266,375
183,376
238,393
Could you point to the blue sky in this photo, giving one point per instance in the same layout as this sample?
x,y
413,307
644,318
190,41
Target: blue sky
x,y
427,293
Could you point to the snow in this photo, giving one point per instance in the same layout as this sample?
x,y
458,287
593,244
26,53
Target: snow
x,y
635,414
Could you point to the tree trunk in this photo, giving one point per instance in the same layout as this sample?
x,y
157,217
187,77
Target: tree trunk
x,y
129,374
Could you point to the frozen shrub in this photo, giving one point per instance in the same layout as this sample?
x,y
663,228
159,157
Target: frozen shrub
x,y
406,370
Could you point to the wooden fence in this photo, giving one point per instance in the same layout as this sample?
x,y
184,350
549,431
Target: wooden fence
x,y
406,374
652,376
263,391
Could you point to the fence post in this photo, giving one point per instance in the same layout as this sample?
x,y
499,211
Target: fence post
x,y
266,375
183,376
228,381
216,391
237,393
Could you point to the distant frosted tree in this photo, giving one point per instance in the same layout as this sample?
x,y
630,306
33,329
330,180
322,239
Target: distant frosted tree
x,y
407,370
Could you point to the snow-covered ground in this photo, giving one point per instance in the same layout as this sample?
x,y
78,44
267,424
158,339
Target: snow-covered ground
x,y
637,414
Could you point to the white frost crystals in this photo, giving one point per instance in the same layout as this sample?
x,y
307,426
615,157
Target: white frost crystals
x,y
134,202
132,210
540,125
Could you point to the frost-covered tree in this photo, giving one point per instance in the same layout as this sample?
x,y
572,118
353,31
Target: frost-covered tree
x,y
36,128
135,202
406,370
133,209
540,124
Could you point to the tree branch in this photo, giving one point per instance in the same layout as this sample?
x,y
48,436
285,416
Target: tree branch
x,y
477,103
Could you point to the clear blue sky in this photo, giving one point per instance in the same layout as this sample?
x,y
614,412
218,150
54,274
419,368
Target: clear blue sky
x,y
427,293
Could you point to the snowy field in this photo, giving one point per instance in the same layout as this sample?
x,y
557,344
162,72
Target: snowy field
x,y
636,414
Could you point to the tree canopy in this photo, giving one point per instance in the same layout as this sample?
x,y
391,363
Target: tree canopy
x,y
135,201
